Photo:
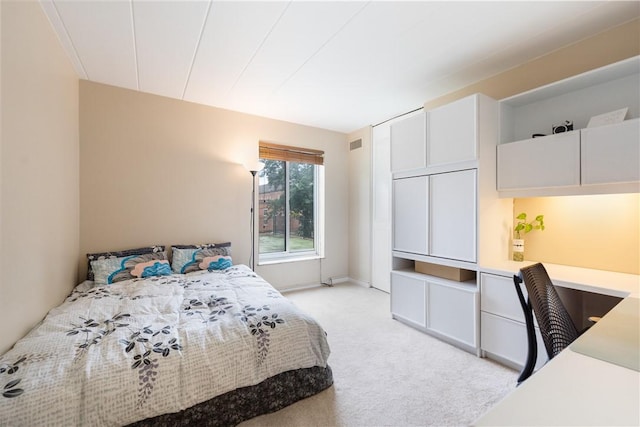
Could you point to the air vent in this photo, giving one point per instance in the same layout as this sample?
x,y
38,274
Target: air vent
x,y
354,145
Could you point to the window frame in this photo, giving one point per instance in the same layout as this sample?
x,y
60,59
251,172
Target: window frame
x,y
318,226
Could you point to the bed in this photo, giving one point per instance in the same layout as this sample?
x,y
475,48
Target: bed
x,y
212,347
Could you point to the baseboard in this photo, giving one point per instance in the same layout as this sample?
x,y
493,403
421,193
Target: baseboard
x,y
334,281
358,282
299,287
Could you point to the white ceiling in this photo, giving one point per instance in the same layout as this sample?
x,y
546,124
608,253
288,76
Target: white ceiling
x,y
336,65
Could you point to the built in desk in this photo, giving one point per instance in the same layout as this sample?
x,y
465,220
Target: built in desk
x,y
595,381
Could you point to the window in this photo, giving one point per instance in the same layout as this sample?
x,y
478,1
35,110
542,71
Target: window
x,y
289,211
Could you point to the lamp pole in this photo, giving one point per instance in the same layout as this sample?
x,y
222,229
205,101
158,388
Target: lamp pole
x,y
253,216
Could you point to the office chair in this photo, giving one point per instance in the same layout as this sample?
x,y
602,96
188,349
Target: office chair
x,y
556,327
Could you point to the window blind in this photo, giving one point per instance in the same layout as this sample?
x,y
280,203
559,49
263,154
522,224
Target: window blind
x,y
270,151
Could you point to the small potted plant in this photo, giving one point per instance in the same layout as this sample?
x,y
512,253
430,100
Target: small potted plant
x,y
523,227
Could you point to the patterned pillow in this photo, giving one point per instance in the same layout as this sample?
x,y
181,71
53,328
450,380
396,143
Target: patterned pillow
x,y
110,270
211,256
119,254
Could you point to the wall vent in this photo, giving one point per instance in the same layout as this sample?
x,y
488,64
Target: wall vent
x,y
354,145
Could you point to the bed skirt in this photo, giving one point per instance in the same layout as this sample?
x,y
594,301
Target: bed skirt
x,y
239,405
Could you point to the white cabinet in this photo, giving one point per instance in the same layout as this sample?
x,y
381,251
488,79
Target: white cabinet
x,y
409,298
611,154
591,156
550,161
452,132
597,160
408,143
506,340
452,310
441,307
435,215
453,215
411,214
503,331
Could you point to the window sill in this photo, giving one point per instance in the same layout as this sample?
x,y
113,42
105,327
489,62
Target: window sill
x,y
287,259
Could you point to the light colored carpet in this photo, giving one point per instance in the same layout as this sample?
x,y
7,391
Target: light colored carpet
x,y
386,373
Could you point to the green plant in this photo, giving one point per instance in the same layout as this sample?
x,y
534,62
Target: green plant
x,y
523,225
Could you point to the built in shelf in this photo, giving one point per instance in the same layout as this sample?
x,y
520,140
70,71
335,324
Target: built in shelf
x,y
576,99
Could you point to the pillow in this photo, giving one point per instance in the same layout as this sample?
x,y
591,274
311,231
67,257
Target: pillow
x,y
119,254
110,270
188,258
215,263
158,267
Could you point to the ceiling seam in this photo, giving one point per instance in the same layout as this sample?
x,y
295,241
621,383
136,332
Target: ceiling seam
x,y
197,48
73,46
135,45
320,48
275,24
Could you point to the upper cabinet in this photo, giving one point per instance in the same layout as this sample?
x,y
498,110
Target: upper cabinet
x,y
592,158
553,161
408,143
452,132
611,154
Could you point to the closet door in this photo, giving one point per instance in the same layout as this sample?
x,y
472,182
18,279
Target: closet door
x,y
381,207
411,215
453,215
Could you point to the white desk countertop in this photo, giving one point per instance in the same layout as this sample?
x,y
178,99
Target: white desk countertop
x,y
577,389
584,279
572,389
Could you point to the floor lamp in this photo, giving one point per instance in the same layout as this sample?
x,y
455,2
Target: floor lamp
x,y
254,169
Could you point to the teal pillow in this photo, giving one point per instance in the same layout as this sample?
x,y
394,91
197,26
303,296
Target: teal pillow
x,y
111,270
212,256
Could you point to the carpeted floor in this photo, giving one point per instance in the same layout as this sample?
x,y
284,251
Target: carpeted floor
x,y
386,373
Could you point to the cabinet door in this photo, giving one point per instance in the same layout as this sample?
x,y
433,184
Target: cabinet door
x,y
452,132
408,143
452,311
611,154
408,298
550,161
411,214
453,215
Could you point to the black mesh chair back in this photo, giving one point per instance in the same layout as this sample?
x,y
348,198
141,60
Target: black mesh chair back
x,y
556,327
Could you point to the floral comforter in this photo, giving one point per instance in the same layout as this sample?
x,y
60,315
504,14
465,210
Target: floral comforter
x,y
116,354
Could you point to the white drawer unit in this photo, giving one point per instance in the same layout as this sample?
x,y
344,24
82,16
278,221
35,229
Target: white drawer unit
x,y
506,340
503,331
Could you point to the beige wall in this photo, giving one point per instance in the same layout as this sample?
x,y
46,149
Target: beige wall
x,y
360,208
156,170
605,48
598,232
585,231
39,187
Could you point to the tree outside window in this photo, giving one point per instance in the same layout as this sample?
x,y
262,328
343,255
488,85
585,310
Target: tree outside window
x,y
287,207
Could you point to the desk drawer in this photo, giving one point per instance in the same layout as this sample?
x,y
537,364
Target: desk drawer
x,y
507,339
498,296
